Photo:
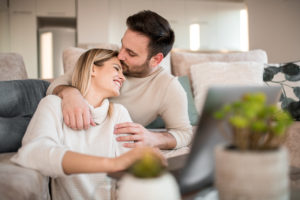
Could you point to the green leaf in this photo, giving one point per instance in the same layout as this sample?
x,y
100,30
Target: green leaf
x,y
219,115
259,126
239,122
279,129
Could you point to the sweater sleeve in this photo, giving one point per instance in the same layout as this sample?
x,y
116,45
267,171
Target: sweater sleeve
x,y
174,112
65,79
42,147
122,116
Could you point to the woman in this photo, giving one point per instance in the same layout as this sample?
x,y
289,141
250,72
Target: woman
x,y
58,151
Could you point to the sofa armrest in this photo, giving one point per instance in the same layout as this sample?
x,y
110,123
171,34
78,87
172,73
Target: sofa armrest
x,y
17,182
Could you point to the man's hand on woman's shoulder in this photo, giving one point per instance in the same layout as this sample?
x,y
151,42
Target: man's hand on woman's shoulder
x,y
75,110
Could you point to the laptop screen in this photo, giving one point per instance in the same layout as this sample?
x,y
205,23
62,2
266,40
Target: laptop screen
x,y
198,171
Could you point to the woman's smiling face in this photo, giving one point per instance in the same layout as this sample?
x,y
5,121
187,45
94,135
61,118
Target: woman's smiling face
x,y
108,78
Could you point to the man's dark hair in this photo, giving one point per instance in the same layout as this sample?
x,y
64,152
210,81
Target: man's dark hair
x,y
156,28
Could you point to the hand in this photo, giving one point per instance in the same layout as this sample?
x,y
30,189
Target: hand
x,y
75,110
137,135
126,160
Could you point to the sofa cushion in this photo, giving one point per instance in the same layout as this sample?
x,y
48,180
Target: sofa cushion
x,y
219,73
17,182
70,57
193,115
72,54
18,102
182,61
12,67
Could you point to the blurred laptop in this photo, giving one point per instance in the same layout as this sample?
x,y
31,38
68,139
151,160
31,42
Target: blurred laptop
x,y
195,171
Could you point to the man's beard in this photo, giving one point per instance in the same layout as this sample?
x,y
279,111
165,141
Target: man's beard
x,y
136,71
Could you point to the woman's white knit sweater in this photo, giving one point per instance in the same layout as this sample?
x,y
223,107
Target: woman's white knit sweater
x,y
47,139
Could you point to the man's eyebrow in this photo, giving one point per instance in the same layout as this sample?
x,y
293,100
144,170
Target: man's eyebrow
x,y
128,50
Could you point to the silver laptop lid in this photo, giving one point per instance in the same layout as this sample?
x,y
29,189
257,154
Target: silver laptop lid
x,y
198,171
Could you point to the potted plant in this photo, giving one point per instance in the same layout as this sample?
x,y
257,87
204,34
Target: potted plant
x,y
147,179
255,165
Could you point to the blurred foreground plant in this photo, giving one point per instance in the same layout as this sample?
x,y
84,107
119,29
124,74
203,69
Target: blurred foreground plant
x,y
253,125
149,166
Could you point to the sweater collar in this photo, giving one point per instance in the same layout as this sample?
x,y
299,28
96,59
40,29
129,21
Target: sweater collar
x,y
99,114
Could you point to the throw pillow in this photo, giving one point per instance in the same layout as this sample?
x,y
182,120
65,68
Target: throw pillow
x,y
182,61
17,105
193,115
218,73
70,57
71,54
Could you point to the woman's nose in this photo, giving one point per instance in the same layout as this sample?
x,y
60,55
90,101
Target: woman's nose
x,y
122,76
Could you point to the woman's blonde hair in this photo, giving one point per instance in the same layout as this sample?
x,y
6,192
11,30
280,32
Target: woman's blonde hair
x,y
81,78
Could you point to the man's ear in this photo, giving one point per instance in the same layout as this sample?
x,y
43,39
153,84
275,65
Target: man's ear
x,y
156,59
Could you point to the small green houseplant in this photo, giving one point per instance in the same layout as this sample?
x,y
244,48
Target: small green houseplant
x,y
256,157
291,72
253,124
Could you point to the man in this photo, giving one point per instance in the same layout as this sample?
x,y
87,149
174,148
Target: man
x,y
149,90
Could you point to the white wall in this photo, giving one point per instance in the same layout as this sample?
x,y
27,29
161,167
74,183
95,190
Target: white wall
x,y
4,30
92,21
219,21
274,26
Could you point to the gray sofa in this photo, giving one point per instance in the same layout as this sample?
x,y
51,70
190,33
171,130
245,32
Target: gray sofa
x,y
18,101
19,97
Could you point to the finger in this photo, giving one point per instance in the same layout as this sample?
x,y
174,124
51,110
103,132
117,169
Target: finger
x,y
128,130
126,124
79,121
92,122
131,145
86,120
129,138
66,119
72,124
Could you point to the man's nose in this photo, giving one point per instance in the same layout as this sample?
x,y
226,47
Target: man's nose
x,y
121,55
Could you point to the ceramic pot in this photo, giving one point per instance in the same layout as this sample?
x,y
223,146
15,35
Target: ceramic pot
x,y
163,187
252,175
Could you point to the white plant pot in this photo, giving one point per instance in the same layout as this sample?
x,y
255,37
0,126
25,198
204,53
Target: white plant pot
x,y
252,175
163,187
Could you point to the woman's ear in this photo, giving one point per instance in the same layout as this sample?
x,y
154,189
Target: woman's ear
x,y
156,59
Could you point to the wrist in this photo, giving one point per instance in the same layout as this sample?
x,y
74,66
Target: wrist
x,y
65,91
165,140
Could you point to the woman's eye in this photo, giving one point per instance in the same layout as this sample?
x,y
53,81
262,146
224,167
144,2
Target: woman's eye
x,y
117,68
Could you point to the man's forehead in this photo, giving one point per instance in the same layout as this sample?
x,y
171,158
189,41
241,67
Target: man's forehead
x,y
135,41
